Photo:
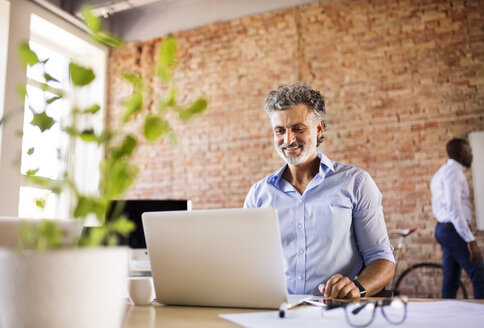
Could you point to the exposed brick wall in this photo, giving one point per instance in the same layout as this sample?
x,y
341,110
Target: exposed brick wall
x,y
400,79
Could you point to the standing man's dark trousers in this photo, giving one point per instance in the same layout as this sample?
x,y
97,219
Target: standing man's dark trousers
x,y
455,256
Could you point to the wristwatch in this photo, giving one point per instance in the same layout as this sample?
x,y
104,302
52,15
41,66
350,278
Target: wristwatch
x,y
360,287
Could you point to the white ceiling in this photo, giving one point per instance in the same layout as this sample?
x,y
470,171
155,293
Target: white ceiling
x,y
147,19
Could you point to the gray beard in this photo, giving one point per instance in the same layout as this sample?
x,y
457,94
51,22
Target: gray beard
x,y
293,160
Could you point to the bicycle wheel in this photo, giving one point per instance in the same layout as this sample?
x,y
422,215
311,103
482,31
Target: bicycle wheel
x,y
424,280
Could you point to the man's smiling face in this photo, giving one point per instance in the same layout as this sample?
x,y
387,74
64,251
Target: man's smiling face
x,y
295,134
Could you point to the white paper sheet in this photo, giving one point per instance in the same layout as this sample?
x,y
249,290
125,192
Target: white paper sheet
x,y
441,314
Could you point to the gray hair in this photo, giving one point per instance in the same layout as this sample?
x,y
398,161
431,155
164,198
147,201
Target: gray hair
x,y
289,96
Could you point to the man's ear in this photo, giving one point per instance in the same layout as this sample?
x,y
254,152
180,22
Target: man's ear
x,y
320,128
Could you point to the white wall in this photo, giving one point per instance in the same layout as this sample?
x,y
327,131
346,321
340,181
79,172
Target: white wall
x,y
4,21
12,107
476,140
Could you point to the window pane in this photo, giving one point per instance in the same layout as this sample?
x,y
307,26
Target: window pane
x,y
56,66
28,198
60,46
47,145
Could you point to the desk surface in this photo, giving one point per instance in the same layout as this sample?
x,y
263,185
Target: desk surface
x,y
157,315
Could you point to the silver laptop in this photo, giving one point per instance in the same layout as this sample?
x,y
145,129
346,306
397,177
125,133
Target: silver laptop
x,y
223,258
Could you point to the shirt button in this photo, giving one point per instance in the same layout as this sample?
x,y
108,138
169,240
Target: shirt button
x,y
299,225
300,277
301,251
300,201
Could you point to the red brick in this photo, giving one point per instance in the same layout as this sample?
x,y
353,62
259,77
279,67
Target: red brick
x,y
400,79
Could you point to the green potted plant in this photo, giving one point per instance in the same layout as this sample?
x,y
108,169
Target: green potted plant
x,y
47,282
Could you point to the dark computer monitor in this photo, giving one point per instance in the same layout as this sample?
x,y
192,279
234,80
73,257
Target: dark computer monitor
x,y
133,209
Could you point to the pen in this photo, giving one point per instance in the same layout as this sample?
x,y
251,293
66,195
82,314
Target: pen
x,y
282,310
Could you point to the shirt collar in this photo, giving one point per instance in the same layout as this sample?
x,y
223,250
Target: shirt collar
x,y
275,177
325,166
457,164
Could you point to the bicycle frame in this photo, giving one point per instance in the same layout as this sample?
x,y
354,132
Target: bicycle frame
x,y
402,233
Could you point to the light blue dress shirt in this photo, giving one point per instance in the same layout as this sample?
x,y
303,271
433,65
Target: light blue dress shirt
x,y
335,226
450,198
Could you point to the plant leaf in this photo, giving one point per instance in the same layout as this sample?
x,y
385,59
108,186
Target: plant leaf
x,y
45,235
71,131
49,78
88,135
28,234
32,172
27,56
94,25
126,148
39,181
51,233
122,226
79,75
112,240
154,127
51,100
92,22
43,121
108,39
134,79
132,105
196,107
105,137
93,109
87,204
166,59
118,176
94,237
40,203
30,151
170,99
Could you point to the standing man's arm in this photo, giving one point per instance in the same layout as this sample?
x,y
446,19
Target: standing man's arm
x,y
455,188
475,254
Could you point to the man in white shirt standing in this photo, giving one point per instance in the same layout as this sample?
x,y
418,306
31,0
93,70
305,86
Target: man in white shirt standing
x,y
452,209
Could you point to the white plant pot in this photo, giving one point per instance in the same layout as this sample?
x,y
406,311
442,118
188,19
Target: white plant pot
x,y
78,287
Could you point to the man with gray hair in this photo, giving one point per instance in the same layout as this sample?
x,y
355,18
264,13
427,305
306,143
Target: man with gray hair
x,y
333,233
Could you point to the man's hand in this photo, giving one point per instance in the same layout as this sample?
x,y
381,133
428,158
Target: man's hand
x,y
473,251
373,278
339,286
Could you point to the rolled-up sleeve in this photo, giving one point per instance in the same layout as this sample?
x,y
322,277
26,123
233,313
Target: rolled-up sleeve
x,y
369,224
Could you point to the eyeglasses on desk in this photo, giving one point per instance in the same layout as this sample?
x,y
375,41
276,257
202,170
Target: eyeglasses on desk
x,y
363,313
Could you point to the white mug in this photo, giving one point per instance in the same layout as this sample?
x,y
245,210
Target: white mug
x,y
140,290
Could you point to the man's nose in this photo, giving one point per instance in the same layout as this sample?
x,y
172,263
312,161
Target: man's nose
x,y
288,137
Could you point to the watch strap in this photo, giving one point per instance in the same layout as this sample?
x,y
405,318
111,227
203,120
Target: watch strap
x,y
360,287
